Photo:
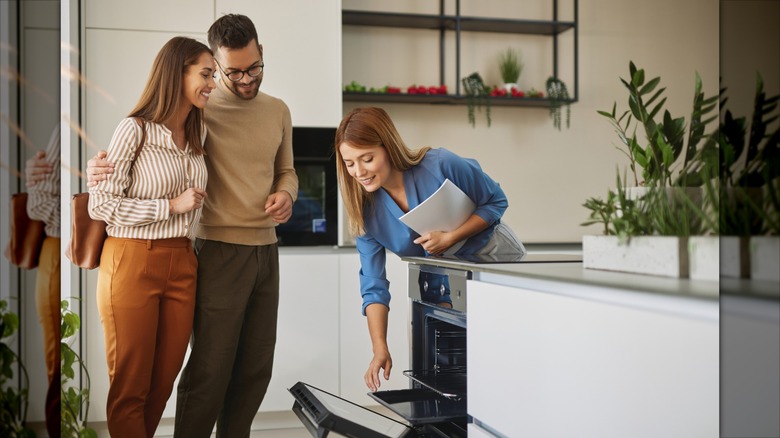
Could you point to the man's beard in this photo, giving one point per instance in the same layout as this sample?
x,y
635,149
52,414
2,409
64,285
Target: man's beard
x,y
243,92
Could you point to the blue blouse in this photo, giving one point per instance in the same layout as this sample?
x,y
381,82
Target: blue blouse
x,y
385,231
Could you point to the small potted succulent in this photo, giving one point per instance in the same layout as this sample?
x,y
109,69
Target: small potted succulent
x,y
510,65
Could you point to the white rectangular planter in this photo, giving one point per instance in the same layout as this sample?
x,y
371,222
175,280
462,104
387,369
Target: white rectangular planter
x,y
765,258
653,255
734,257
704,258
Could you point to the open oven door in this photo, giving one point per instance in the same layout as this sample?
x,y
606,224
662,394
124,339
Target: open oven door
x,y
322,412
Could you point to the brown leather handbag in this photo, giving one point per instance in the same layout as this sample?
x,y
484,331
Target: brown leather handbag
x,y
87,235
24,248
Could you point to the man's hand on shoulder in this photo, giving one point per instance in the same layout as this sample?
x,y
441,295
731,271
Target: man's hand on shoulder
x,y
36,169
279,206
98,169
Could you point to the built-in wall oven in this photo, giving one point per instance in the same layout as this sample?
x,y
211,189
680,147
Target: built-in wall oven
x,y
314,218
435,403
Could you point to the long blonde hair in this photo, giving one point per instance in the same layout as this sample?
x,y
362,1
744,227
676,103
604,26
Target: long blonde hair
x,y
369,127
162,96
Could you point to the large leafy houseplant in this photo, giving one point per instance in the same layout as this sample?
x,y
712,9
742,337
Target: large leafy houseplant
x,y
13,394
664,155
750,168
671,157
750,193
75,398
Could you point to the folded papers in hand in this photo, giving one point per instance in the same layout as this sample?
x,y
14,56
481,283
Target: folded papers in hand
x,y
445,210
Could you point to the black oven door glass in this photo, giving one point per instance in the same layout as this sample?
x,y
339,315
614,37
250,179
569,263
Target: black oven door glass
x,y
309,210
314,218
421,406
451,385
322,412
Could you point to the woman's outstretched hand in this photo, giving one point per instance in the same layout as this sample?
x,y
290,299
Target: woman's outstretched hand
x,y
381,361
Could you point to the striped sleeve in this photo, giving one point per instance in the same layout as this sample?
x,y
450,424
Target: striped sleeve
x,y
108,200
43,201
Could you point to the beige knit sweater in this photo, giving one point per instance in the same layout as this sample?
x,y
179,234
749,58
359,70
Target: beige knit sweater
x,y
249,156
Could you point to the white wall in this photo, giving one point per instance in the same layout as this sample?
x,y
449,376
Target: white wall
x,y
750,44
546,174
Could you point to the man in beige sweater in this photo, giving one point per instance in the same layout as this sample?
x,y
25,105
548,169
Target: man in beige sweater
x,y
252,186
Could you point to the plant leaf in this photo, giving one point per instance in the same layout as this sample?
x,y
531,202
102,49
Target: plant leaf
x,y
650,86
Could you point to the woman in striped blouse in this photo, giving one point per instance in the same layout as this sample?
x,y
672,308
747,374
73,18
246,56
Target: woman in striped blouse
x,y
43,204
146,284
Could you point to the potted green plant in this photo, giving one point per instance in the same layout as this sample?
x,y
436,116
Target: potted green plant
x,y
654,221
477,95
13,392
750,171
664,148
645,235
510,66
559,97
74,393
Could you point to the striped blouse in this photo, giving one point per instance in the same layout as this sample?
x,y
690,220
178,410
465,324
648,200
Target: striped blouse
x,y
161,172
43,200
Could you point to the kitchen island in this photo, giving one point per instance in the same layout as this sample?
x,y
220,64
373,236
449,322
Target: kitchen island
x,y
557,350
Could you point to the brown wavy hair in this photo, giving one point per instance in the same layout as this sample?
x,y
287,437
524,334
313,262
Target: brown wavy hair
x,y
161,99
369,127
232,31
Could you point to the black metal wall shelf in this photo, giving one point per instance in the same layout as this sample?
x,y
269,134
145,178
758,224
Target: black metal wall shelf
x,y
450,22
444,99
457,23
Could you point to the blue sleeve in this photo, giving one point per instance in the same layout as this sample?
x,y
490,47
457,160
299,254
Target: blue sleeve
x,y
467,174
374,286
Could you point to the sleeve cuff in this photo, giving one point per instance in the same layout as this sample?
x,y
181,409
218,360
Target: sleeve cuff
x,y
375,299
163,210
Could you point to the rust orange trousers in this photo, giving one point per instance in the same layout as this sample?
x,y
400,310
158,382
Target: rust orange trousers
x,y
47,302
146,300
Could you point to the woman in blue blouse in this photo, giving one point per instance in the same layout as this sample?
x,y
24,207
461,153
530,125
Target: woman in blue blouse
x,y
381,179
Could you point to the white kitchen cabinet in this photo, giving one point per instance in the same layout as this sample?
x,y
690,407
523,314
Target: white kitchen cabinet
x,y
356,350
151,15
307,345
478,432
547,364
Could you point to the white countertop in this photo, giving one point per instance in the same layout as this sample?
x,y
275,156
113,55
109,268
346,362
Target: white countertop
x,y
693,298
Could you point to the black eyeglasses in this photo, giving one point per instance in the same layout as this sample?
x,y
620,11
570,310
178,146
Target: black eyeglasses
x,y
237,75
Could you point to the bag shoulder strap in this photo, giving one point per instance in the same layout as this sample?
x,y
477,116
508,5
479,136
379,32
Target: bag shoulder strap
x,y
142,124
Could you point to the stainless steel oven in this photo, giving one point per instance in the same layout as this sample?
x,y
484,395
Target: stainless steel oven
x,y
436,401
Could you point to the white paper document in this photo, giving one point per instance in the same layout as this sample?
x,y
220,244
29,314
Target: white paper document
x,y
445,210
